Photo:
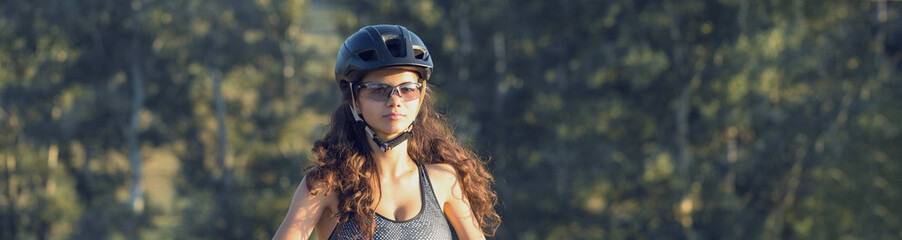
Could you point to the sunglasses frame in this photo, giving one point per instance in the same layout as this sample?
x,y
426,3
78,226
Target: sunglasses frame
x,y
418,86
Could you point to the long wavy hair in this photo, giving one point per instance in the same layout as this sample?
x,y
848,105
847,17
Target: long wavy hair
x,y
344,165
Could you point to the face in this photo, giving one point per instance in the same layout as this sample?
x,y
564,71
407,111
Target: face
x,y
389,117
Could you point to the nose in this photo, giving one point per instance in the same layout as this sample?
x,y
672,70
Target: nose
x,y
392,100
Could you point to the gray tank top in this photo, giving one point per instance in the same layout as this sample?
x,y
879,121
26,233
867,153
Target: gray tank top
x,y
429,223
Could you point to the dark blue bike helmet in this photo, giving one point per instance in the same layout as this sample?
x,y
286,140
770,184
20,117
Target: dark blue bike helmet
x,y
380,46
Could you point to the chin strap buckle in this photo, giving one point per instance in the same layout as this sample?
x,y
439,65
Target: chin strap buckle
x,y
392,143
385,146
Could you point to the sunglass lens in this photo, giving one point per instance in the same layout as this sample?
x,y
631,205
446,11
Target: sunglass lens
x,y
377,92
382,92
409,92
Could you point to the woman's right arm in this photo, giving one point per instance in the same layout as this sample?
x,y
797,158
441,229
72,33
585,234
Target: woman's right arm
x,y
306,209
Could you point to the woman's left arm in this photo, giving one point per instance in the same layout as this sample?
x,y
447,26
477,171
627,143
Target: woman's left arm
x,y
456,206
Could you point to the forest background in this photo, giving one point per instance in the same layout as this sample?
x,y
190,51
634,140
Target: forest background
x,y
619,119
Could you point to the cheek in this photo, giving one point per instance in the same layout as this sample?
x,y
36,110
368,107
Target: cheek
x,y
369,108
412,107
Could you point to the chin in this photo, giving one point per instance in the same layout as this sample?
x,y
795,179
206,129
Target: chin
x,y
394,129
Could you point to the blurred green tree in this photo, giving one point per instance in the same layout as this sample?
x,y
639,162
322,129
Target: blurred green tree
x,y
699,119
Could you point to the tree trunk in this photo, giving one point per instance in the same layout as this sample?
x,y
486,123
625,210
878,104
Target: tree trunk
x,y
10,218
225,180
683,155
497,122
464,36
222,140
136,198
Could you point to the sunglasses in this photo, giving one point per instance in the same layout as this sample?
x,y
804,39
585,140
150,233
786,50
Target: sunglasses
x,y
382,92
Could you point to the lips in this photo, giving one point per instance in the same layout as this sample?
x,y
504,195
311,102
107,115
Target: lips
x,y
394,116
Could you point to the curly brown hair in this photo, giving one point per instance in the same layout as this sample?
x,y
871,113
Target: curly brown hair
x,y
344,164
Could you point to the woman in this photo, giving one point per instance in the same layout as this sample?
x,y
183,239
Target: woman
x,y
389,167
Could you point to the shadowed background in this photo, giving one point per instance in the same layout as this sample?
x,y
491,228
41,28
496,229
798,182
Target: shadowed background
x,y
694,119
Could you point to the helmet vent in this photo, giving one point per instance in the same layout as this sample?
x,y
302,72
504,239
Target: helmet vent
x,y
396,47
368,55
419,53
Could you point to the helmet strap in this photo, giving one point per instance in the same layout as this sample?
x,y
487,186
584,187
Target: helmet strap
x,y
387,145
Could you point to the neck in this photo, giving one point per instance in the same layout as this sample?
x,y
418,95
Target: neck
x,y
394,162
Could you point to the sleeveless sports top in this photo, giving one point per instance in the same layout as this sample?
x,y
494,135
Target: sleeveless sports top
x,y
429,223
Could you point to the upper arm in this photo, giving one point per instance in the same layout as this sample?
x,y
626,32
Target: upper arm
x,y
303,214
456,206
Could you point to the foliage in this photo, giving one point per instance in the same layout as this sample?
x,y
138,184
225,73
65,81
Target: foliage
x,y
698,119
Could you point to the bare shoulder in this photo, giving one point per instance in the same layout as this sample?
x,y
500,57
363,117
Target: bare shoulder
x,y
315,194
309,209
442,172
318,191
444,180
